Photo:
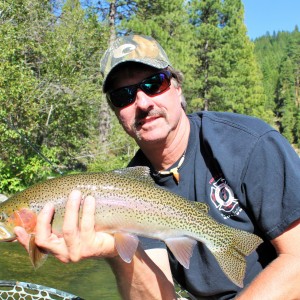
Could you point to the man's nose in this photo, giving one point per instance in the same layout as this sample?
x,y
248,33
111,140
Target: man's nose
x,y
142,100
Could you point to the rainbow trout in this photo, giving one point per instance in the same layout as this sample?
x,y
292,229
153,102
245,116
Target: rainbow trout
x,y
129,204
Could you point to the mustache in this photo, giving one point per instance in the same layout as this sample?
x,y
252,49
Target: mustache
x,y
151,113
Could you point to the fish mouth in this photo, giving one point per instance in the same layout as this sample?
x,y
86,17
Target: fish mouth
x,y
6,235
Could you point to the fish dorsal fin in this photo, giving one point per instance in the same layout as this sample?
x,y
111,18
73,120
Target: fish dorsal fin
x,y
126,245
201,206
141,173
182,248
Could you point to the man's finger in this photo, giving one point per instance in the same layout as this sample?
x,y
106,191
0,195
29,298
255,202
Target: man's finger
x,y
22,236
70,225
43,225
88,215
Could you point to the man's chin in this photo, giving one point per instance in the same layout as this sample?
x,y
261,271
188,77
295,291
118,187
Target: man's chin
x,y
149,136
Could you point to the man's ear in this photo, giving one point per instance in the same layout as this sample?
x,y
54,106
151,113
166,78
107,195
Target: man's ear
x,y
179,90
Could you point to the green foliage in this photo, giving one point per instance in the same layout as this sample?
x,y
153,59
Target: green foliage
x,y
286,100
20,166
113,155
204,15
279,58
297,131
51,99
50,88
228,75
18,91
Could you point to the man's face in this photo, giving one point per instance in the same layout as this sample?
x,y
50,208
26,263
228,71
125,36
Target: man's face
x,y
148,119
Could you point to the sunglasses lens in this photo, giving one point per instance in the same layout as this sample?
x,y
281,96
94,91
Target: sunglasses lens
x,y
153,85
123,96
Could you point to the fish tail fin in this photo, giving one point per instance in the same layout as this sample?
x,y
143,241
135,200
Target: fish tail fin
x,y
36,255
231,257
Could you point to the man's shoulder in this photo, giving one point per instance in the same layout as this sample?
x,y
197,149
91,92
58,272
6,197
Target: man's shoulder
x,y
225,122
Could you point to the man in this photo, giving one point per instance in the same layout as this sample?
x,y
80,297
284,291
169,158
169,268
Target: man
x,y
242,168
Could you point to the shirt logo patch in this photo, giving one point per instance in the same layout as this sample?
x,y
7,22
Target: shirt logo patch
x,y
223,198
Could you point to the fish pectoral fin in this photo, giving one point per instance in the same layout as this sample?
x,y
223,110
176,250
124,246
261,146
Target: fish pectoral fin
x,y
182,248
36,254
126,245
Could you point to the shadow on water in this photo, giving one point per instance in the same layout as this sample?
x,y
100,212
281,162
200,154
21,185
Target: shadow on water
x,y
90,279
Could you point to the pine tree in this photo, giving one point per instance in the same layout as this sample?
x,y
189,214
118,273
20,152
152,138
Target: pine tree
x,y
278,57
205,19
269,51
286,100
292,99
243,91
231,79
294,53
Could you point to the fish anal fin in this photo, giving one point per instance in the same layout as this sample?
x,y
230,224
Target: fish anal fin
x,y
36,254
182,248
126,245
201,206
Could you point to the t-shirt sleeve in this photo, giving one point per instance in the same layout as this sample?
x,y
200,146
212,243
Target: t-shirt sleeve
x,y
272,184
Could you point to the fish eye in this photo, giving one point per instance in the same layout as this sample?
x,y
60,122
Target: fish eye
x,y
3,216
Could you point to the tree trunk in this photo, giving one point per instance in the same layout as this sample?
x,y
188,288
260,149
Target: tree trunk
x,y
104,114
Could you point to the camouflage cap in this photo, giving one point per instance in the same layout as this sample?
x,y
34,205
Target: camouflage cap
x,y
135,48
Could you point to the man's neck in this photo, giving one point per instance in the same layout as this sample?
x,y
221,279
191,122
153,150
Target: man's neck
x,y
163,154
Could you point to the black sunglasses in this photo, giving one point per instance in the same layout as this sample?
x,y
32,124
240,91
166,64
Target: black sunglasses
x,y
153,85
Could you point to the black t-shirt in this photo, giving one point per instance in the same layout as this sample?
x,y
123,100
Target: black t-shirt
x,y
249,176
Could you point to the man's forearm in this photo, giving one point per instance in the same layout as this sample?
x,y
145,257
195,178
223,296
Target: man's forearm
x,y
280,280
142,278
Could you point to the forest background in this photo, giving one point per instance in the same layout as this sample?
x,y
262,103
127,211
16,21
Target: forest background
x,y
54,118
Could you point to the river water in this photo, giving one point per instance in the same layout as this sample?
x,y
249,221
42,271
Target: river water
x,y
90,279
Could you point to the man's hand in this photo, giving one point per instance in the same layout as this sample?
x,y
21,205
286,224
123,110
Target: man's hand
x,y
78,240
